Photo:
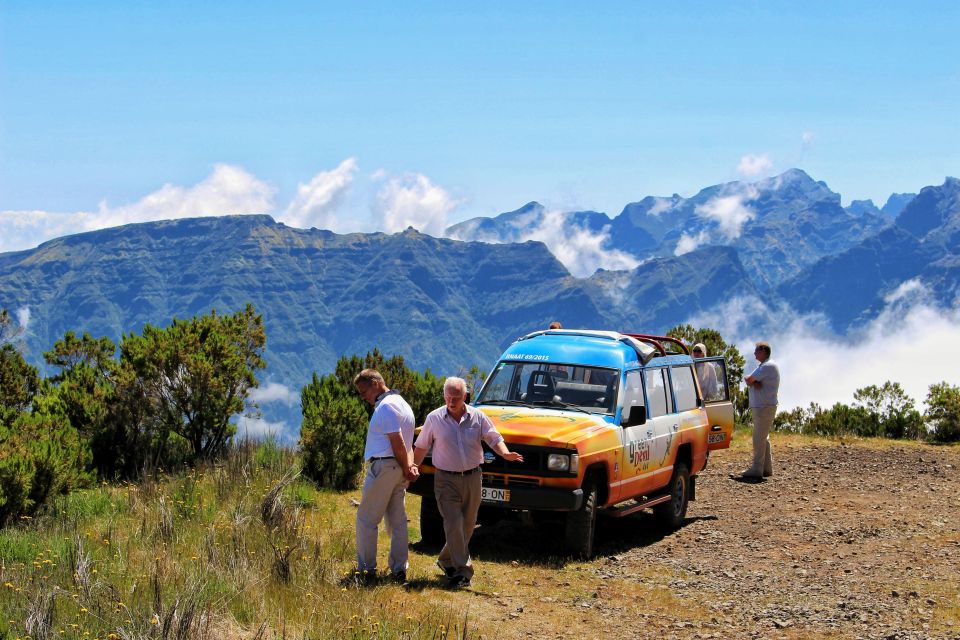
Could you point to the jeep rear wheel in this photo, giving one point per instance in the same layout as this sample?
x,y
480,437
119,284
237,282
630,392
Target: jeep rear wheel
x,y
673,512
431,522
582,523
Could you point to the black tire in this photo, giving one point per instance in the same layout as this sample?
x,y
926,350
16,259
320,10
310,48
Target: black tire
x,y
431,522
673,513
581,523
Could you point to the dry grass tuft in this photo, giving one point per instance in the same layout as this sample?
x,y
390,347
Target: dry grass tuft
x,y
40,614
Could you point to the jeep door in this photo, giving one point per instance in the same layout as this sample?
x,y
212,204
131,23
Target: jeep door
x,y
636,475
664,422
715,391
645,446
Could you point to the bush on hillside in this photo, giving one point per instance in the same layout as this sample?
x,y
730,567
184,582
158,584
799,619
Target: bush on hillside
x,y
196,374
333,432
943,412
41,455
879,412
891,413
18,384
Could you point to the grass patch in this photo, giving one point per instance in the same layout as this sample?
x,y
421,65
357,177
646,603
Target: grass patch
x,y
192,555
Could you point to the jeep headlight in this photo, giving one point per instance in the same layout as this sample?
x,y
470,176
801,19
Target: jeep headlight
x,y
563,462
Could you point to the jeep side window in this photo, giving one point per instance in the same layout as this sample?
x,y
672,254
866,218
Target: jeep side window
x,y
684,389
633,393
713,380
658,402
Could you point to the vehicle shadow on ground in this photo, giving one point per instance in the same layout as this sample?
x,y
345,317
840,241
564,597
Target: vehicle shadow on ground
x,y
513,539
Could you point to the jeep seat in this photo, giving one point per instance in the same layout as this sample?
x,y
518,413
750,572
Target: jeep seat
x,y
540,387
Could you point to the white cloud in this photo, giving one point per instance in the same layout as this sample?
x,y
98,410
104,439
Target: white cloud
x,y
615,286
252,427
579,249
227,190
910,291
688,243
274,392
23,317
806,140
316,202
730,211
661,205
26,229
752,166
910,342
413,201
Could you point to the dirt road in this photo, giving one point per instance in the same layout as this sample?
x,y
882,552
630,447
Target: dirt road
x,y
846,540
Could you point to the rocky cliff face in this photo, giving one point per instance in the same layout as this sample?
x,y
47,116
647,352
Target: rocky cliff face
x,y
923,244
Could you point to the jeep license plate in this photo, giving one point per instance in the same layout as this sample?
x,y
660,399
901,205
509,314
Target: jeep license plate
x,y
716,437
491,494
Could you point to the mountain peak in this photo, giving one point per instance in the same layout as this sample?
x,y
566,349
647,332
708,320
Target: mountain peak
x,y
796,183
933,208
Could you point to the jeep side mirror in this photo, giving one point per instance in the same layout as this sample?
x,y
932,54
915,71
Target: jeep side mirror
x,y
636,416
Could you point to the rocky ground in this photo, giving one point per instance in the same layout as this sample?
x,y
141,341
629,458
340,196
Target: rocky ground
x,y
846,540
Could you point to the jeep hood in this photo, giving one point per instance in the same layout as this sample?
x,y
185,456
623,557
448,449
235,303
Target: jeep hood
x,y
544,427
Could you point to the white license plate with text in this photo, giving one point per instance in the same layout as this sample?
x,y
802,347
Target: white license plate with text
x,y
492,494
716,437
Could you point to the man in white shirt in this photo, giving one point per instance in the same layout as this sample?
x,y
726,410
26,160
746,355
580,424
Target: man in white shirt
x,y
762,387
390,469
455,432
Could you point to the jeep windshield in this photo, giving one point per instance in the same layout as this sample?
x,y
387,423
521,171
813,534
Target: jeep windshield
x,y
563,386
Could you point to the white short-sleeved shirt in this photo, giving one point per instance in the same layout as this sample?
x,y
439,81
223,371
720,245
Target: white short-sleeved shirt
x,y
456,444
769,376
391,414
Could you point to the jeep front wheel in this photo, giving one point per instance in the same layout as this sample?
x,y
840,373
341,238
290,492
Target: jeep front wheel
x,y
673,512
582,522
431,522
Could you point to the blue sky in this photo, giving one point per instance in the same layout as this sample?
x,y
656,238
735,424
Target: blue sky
x,y
371,114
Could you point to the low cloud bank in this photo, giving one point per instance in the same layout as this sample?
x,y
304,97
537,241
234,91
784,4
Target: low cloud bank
x,y
227,190
730,210
913,342
274,392
318,202
257,428
581,250
752,166
413,201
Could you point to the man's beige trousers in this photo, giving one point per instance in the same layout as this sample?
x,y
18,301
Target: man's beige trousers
x,y
384,488
458,498
762,456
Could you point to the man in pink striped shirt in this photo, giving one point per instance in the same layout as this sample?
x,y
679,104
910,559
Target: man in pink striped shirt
x,y
455,432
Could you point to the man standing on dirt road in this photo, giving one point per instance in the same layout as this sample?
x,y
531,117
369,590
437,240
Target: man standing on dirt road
x,y
389,470
762,387
455,432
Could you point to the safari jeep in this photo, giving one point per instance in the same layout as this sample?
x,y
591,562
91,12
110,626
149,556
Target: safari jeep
x,y
604,420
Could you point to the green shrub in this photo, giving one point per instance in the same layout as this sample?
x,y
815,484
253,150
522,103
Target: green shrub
x,y
41,456
333,432
943,412
18,384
